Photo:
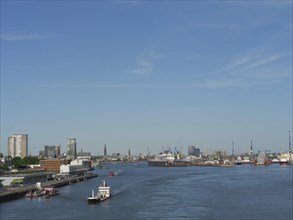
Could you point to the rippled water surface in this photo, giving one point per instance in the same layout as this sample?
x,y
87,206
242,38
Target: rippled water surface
x,y
143,192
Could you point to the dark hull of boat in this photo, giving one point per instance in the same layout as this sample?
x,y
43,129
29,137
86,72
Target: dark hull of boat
x,y
51,195
94,200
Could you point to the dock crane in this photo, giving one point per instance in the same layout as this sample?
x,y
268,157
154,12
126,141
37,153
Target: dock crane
x,y
149,151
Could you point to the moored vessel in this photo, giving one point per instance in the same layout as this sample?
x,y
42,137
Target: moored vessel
x,y
275,160
50,191
167,159
34,193
239,161
283,160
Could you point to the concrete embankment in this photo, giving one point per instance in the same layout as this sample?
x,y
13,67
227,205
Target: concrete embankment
x,y
14,193
18,192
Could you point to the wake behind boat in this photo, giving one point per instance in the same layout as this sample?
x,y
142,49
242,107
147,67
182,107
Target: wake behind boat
x,y
104,192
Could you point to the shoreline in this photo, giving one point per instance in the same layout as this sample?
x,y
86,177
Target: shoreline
x,y
18,192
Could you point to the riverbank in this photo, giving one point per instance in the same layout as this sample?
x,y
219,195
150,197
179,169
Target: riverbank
x,y
18,192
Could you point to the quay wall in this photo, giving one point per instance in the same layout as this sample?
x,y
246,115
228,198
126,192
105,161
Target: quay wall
x,y
18,192
12,194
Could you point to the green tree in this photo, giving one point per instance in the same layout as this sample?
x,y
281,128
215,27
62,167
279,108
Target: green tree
x,y
3,167
31,160
17,161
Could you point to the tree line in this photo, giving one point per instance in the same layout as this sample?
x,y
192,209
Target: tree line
x,y
18,162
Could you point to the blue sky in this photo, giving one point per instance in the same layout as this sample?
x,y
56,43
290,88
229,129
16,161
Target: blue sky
x,y
138,74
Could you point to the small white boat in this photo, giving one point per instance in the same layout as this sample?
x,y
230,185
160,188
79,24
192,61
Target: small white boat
x,y
239,161
275,160
283,160
104,192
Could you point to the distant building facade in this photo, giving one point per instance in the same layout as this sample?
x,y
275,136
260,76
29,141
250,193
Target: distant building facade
x,y
52,165
76,167
84,154
52,151
41,153
194,151
71,148
18,145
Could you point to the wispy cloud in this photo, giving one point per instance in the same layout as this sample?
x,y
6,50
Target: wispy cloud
x,y
146,62
240,62
216,25
212,84
253,61
271,74
225,83
28,36
155,54
145,67
268,59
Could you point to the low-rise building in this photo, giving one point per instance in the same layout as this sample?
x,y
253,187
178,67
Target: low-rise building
x,y
85,163
76,167
71,170
52,165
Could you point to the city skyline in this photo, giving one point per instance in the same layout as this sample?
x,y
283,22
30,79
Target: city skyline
x,y
144,74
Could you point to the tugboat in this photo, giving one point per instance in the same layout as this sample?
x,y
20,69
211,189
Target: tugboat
x,y
104,192
50,191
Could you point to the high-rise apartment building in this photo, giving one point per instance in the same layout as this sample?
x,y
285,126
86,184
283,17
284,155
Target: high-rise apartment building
x,y
52,151
18,145
71,148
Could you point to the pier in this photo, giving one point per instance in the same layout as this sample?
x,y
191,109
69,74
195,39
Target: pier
x,y
71,180
18,192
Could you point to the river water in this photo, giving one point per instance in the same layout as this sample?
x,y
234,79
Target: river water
x,y
143,192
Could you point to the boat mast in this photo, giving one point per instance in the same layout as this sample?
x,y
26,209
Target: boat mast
x,y
290,147
233,150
